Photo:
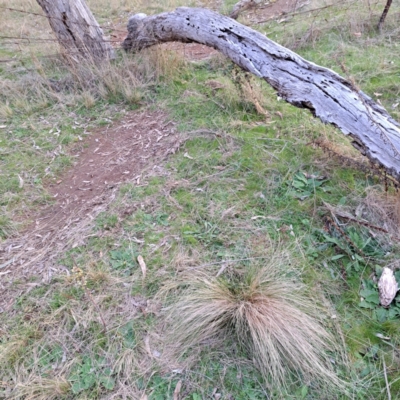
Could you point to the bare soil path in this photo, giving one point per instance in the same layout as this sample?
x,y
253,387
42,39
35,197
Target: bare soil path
x,y
122,153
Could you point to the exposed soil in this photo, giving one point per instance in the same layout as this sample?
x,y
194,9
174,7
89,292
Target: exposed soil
x,y
128,151
272,10
112,156
190,51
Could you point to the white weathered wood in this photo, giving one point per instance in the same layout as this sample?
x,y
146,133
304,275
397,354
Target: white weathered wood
x,y
387,286
326,94
76,28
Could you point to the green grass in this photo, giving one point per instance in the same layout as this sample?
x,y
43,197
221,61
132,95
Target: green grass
x,y
240,187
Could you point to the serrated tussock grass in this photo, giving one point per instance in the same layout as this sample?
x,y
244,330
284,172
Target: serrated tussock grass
x,y
268,313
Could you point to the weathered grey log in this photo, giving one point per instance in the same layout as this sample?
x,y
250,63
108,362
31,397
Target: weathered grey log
x,y
333,99
76,28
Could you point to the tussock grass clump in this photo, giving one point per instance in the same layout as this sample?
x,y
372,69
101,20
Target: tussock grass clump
x,y
267,313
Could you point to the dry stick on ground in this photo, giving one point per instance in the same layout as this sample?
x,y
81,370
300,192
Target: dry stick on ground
x,y
330,97
336,212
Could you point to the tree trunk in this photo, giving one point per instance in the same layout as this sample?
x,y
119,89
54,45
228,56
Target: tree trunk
x,y
383,16
327,95
76,29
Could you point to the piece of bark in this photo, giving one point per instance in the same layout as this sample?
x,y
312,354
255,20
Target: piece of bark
x,y
387,286
76,29
331,98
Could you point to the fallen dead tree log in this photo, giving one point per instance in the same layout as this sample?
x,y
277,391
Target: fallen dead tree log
x,y
331,98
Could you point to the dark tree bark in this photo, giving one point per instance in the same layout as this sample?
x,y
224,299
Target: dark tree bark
x,y
76,28
331,98
384,14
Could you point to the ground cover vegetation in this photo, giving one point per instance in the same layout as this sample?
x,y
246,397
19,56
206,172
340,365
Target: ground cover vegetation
x,y
245,265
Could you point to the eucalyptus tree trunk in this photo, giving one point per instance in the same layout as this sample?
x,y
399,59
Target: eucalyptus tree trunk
x,y
76,28
330,97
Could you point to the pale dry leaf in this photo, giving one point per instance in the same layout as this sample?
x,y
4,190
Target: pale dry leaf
x,y
388,287
221,270
258,217
156,354
215,395
142,266
21,182
147,345
177,390
186,155
380,336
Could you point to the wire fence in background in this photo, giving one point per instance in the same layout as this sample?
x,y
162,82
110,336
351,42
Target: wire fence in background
x,y
55,18
306,15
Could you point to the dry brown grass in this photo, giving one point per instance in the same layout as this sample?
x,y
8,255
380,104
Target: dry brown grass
x,y
382,209
36,387
85,83
377,209
267,312
23,356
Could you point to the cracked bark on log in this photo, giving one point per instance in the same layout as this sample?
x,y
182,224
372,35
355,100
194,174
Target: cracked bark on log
x,y
331,98
76,28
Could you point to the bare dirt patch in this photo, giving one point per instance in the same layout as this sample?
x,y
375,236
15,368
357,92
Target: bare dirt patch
x,y
272,10
125,152
112,156
190,51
